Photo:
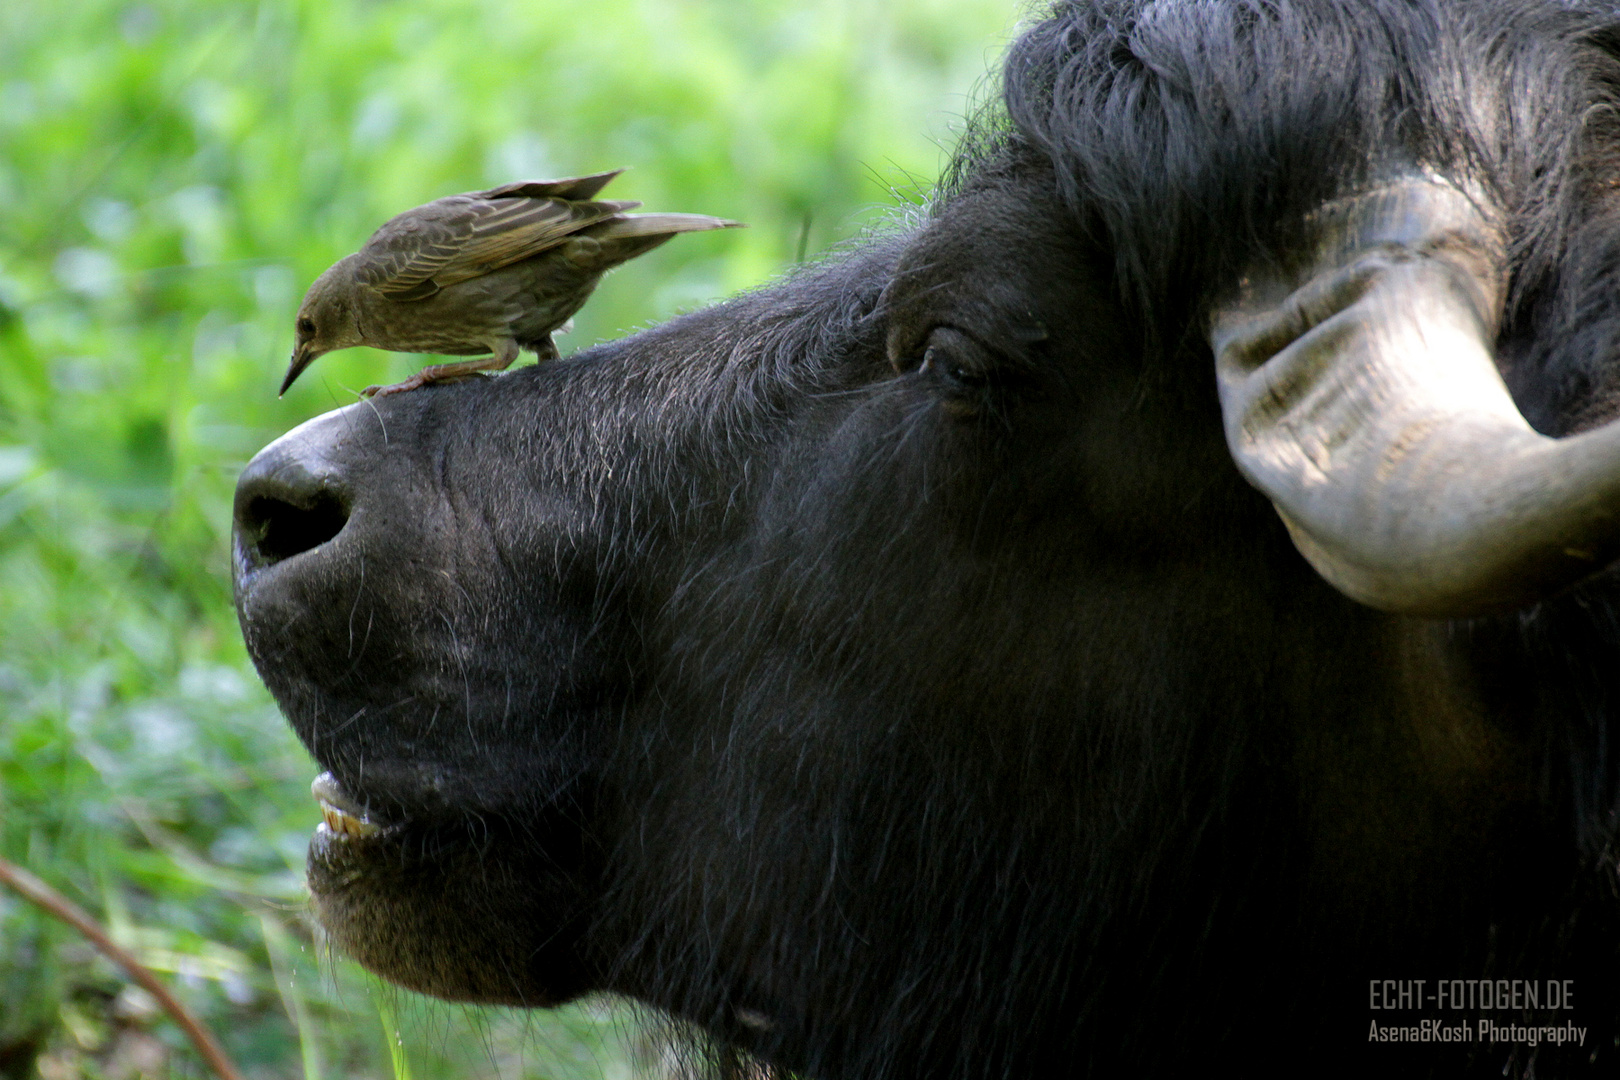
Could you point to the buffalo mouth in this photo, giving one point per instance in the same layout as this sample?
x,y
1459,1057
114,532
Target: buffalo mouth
x,y
468,908
343,819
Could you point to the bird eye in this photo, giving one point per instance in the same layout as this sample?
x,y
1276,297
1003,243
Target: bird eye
x,y
306,326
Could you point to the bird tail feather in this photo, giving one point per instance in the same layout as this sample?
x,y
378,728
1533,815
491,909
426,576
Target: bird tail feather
x,y
568,187
629,226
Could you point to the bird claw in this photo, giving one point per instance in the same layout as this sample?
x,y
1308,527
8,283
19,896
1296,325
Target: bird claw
x,y
379,390
420,379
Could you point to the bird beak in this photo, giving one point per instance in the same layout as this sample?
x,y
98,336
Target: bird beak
x,y
301,358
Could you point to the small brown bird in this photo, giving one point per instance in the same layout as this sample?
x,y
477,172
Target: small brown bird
x,y
489,271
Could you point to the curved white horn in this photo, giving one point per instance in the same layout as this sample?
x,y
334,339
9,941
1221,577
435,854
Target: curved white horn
x,y
1366,405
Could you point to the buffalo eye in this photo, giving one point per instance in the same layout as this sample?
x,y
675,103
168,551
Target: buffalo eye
x,y
958,364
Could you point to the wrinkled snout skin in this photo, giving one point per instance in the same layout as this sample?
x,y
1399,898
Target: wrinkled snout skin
x,y
436,580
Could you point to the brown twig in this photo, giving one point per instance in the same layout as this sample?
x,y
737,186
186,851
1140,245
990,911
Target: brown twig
x,y
36,891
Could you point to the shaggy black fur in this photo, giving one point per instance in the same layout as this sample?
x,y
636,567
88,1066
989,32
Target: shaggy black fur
x,y
889,673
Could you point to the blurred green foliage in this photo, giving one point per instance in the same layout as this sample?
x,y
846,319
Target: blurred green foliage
x,y
172,175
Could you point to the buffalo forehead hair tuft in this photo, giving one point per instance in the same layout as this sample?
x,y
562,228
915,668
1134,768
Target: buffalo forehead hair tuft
x,y
1191,136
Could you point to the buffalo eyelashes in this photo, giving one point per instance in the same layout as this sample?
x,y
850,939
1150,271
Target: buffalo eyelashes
x,y
956,360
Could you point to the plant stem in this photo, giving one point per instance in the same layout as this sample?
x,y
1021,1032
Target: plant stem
x,y
36,891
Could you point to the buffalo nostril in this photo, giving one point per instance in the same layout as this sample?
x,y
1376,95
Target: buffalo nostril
x,y
275,529
297,493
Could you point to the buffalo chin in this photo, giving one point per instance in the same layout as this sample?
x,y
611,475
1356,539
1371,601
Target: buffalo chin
x,y
436,912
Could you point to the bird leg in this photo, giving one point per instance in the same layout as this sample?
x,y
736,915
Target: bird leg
x,y
506,351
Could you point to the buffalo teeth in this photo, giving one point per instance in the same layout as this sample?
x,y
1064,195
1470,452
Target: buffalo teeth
x,y
341,823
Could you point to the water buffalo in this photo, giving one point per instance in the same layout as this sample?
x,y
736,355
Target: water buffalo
x,y
1156,609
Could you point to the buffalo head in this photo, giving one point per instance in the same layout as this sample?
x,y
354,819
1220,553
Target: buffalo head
x,y
1115,621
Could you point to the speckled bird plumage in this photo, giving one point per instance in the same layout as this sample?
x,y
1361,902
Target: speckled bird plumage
x,y
487,271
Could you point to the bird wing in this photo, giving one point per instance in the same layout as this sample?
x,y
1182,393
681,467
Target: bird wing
x,y
460,237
